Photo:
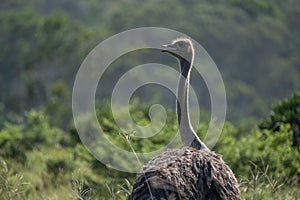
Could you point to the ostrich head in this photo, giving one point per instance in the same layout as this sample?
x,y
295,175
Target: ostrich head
x,y
181,48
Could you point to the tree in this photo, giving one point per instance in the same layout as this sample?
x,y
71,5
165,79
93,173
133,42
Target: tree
x,y
288,112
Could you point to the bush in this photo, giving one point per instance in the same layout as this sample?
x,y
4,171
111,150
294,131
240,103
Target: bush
x,y
272,145
286,112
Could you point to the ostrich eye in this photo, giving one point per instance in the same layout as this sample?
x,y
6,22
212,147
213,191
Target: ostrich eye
x,y
180,45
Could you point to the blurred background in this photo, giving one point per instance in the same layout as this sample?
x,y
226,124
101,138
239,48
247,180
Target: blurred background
x,y
255,44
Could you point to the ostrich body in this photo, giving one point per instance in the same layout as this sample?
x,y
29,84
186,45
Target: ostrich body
x,y
190,172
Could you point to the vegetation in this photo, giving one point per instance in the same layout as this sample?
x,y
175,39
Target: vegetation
x,y
254,43
40,161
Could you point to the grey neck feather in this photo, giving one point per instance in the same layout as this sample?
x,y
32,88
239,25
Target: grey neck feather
x,y
188,135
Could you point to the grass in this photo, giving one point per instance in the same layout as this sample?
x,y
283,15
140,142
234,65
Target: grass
x,y
11,186
259,186
80,184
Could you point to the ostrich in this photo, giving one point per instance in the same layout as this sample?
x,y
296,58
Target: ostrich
x,y
192,171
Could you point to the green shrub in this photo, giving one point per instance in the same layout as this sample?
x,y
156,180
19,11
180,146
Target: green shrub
x,y
286,112
12,186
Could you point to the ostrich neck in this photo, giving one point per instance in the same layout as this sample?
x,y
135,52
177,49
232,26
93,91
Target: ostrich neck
x,y
186,130
183,98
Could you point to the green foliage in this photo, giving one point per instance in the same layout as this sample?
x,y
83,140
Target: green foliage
x,y
259,185
15,140
55,164
12,187
140,116
257,7
50,162
32,48
272,147
58,105
268,148
57,35
255,44
286,112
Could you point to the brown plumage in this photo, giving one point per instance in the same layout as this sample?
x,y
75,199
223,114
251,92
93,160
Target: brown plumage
x,y
186,173
193,171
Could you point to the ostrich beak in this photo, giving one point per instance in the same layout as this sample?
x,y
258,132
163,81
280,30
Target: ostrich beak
x,y
171,49
168,48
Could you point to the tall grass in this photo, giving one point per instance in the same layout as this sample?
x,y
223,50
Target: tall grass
x,y
260,185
